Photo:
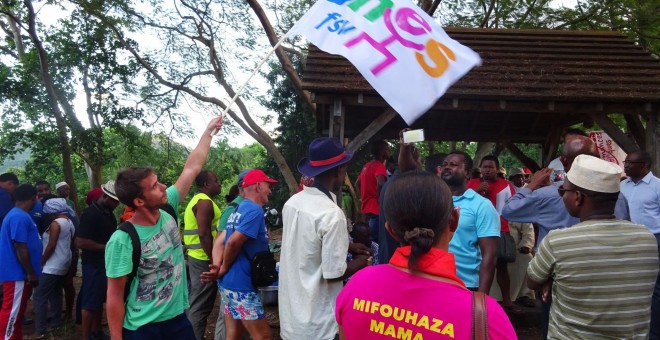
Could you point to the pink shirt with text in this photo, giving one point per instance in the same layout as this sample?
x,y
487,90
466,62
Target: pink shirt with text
x,y
383,302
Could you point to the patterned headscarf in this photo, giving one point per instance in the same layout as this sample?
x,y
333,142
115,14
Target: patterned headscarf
x,y
58,206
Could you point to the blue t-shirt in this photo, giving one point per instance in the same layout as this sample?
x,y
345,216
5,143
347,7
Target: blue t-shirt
x,y
248,219
18,227
37,213
478,219
6,203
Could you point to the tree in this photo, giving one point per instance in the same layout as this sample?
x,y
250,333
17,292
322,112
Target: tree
x,y
193,63
40,85
296,124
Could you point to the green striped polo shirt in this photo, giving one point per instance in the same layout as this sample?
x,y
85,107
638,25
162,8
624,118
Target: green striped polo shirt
x,y
604,272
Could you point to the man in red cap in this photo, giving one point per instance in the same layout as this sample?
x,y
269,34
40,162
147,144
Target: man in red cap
x,y
315,246
246,236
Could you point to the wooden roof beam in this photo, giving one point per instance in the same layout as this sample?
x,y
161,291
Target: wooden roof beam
x,y
524,159
615,133
371,129
636,129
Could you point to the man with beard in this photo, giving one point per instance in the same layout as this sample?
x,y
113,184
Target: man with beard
x,y
158,294
200,219
476,239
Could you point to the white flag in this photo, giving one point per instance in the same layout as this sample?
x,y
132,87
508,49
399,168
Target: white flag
x,y
398,48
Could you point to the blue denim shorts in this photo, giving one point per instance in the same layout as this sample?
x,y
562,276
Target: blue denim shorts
x,y
242,305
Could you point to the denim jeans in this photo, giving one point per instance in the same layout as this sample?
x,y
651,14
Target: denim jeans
x,y
49,291
373,226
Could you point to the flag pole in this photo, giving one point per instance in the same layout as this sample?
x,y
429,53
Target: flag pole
x,y
240,89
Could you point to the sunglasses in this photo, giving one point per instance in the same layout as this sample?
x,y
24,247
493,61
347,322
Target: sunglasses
x,y
563,190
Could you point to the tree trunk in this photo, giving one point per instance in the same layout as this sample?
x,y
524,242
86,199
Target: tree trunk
x,y
53,102
483,149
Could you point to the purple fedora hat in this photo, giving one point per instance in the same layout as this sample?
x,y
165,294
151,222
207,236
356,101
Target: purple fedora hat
x,y
324,154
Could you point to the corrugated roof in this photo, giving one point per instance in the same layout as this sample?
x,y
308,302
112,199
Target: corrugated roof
x,y
531,81
538,64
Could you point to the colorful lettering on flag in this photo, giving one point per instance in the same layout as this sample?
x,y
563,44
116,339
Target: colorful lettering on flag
x,y
398,48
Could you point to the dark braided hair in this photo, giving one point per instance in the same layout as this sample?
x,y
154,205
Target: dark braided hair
x,y
418,207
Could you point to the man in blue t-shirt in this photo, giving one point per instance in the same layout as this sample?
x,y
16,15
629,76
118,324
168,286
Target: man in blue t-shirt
x,y
20,251
8,184
476,239
246,236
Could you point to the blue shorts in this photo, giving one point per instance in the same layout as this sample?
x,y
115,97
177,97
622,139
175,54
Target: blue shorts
x,y
94,287
242,305
176,328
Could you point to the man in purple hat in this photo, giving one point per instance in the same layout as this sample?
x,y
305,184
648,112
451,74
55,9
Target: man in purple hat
x,y
314,247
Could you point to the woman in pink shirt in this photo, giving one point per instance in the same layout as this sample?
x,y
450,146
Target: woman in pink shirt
x,y
417,295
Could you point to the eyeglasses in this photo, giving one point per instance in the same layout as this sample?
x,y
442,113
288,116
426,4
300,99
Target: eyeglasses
x,y
562,191
626,162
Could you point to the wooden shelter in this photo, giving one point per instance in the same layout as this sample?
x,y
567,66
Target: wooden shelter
x,y
532,85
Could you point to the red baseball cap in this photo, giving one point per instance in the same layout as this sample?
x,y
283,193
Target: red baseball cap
x,y
255,176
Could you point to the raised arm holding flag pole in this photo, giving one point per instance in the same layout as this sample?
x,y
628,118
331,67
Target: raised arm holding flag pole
x,y
398,48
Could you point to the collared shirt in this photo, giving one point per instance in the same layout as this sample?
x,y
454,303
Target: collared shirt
x,y
644,201
546,208
604,272
478,218
314,248
96,224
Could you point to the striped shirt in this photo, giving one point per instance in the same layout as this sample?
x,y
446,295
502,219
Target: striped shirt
x,y
604,272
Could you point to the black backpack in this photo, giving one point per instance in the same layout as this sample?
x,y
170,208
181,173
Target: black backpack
x,y
262,265
129,228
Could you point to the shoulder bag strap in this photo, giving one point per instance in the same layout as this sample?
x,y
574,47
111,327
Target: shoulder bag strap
x,y
129,228
479,316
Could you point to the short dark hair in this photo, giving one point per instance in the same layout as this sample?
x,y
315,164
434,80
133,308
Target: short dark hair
x,y
42,182
127,184
490,158
417,199
25,192
232,194
357,225
432,162
575,131
645,157
9,177
378,145
599,198
467,160
202,178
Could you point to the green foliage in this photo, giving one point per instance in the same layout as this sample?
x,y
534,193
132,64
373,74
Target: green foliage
x,y
297,127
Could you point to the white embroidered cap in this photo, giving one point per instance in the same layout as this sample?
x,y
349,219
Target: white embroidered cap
x,y
595,174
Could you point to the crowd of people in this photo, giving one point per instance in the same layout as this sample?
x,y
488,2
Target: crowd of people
x,y
442,250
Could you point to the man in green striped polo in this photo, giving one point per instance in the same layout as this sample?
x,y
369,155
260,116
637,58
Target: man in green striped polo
x,y
602,270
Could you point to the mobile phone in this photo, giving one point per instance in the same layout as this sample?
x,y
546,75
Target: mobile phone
x,y
557,176
413,136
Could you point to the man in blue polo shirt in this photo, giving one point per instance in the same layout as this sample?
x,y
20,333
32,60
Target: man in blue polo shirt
x,y
476,239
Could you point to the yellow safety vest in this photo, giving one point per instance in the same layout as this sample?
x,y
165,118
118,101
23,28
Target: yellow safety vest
x,y
190,234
